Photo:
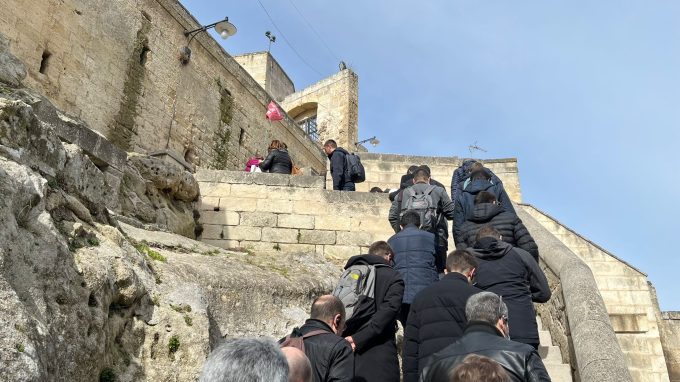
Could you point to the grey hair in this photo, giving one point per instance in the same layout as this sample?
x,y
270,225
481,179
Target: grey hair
x,y
246,360
486,307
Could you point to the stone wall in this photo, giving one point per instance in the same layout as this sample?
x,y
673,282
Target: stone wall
x,y
270,213
670,340
268,73
627,296
115,65
385,171
335,102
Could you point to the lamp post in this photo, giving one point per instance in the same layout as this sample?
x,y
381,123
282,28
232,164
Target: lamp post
x,y
372,140
223,27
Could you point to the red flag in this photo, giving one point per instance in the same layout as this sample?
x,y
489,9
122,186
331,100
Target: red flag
x,y
273,112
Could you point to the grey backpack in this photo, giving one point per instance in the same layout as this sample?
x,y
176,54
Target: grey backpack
x,y
356,290
423,204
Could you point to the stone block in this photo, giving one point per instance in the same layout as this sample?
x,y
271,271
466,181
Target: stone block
x,y
298,248
340,253
258,219
317,237
241,233
306,207
250,191
629,323
238,204
215,189
374,224
280,235
220,217
212,231
224,244
306,181
354,238
275,206
332,222
208,203
296,221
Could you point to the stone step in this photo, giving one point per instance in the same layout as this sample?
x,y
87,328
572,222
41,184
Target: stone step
x,y
550,354
544,338
559,372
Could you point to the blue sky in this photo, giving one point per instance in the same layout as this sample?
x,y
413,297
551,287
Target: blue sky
x,y
585,94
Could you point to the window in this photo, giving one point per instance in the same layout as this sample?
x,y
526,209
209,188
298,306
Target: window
x,y
310,128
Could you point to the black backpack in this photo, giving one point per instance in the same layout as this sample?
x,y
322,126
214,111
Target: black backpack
x,y
354,169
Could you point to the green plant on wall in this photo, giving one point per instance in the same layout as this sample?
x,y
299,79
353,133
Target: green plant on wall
x,y
222,134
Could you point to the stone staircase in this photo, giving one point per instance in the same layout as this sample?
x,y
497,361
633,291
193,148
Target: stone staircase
x,y
552,356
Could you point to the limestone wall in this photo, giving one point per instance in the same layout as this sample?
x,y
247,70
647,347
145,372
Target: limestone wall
x,y
670,340
385,171
628,298
273,213
115,65
268,73
335,102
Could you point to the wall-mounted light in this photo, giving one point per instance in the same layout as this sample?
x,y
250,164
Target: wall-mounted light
x,y
223,27
372,140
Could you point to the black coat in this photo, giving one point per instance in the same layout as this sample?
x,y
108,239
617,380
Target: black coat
x,y
521,361
414,259
465,200
339,168
513,274
375,356
277,162
330,355
507,223
436,320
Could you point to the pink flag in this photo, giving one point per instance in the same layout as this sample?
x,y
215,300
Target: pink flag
x,y
273,112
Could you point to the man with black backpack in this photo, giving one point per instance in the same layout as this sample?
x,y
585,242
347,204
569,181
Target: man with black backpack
x,y
346,168
373,292
330,355
431,202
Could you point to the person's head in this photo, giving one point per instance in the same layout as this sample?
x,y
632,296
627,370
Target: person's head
x,y
299,367
329,146
275,145
258,155
283,145
330,310
411,170
246,360
477,368
475,166
488,307
485,197
421,175
463,262
382,249
488,231
376,189
410,217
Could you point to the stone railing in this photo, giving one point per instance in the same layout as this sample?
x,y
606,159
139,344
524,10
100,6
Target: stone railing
x,y
597,353
270,213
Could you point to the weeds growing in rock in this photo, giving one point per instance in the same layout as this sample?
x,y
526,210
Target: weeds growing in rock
x,y
173,344
211,253
188,320
20,347
182,308
277,247
92,241
144,248
156,300
107,375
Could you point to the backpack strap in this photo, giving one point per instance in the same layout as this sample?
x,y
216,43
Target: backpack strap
x,y
429,189
314,333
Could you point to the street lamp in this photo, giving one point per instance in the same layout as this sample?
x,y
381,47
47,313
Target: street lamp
x,y
372,140
223,27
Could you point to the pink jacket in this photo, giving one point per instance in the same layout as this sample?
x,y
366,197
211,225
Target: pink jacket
x,y
252,162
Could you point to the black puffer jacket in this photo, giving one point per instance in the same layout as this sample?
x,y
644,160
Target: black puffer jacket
x,y
277,162
513,274
465,201
507,223
521,361
330,355
436,320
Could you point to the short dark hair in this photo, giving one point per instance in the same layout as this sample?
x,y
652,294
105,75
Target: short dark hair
x,y
380,248
460,261
488,231
477,368
410,217
331,143
480,175
411,169
485,197
376,189
421,175
326,307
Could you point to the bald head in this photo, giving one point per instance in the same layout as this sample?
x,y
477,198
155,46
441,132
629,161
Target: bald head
x,y
299,368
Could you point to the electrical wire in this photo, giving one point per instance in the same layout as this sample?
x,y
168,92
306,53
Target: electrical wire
x,y
286,40
314,30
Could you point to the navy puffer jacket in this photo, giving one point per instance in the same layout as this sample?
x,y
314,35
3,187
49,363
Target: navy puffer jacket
x,y
465,202
414,259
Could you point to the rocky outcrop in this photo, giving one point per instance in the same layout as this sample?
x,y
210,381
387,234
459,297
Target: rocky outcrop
x,y
84,296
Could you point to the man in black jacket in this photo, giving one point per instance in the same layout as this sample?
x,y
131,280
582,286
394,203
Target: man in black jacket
x,y
510,226
512,273
373,340
437,316
330,355
486,334
338,166
414,257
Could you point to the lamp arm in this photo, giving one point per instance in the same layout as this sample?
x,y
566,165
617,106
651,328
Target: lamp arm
x,y
203,28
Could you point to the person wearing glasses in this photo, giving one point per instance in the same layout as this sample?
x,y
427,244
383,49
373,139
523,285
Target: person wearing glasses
x,y
487,335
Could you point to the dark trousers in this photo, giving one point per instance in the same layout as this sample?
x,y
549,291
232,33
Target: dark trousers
x,y
349,186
